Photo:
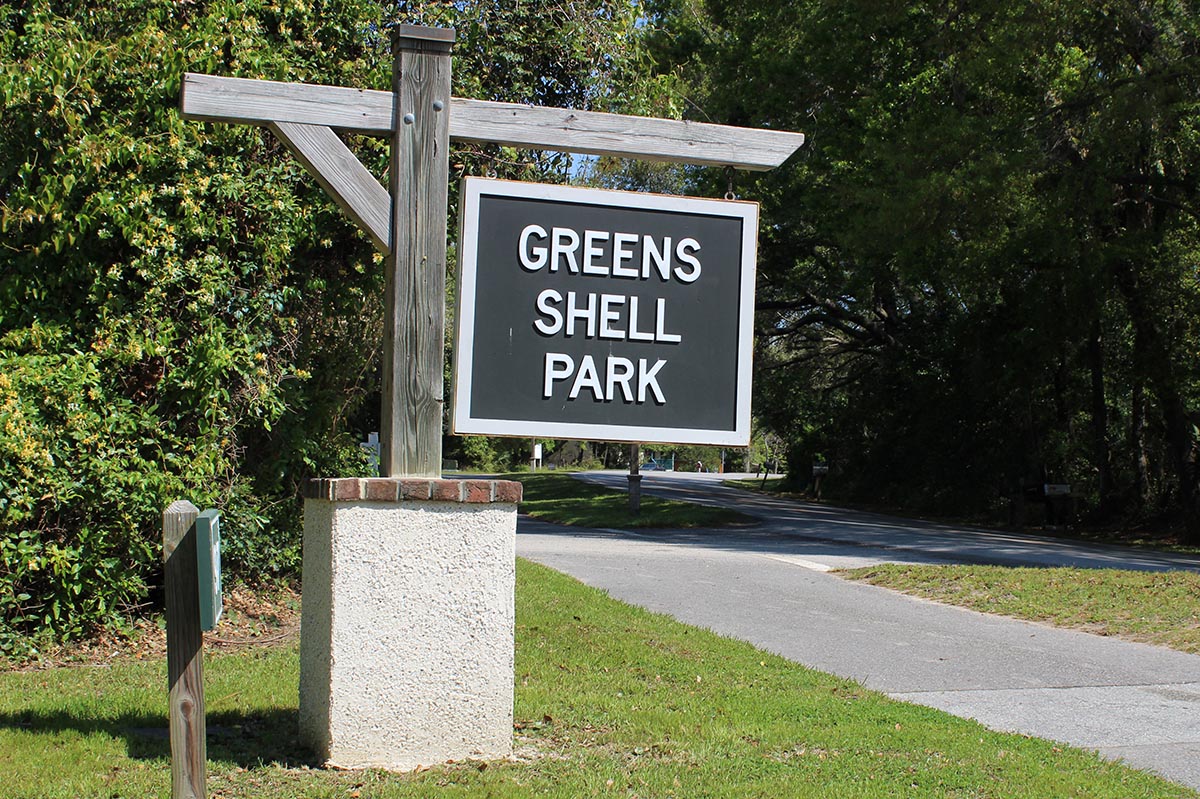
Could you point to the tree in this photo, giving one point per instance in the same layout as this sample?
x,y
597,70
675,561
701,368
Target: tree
x,y
969,274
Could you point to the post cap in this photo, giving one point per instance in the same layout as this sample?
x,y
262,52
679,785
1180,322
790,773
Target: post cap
x,y
420,36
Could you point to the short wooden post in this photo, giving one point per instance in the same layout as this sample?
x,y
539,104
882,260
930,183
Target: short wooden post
x,y
185,652
635,479
415,302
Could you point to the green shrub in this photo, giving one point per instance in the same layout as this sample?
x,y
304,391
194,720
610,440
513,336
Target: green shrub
x,y
167,294
183,313
79,475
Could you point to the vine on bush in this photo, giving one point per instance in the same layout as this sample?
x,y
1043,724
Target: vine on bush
x,y
183,313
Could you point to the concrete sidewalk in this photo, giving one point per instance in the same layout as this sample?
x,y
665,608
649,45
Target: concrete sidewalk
x,y
767,585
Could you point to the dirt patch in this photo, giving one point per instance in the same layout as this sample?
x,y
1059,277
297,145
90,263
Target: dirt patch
x,y
251,618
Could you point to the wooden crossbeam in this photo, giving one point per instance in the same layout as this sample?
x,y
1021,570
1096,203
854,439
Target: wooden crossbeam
x,y
620,135
261,102
211,98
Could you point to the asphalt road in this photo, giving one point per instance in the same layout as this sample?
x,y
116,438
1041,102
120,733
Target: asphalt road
x,y
768,584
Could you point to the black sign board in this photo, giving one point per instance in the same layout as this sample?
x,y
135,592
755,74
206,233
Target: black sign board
x,y
603,315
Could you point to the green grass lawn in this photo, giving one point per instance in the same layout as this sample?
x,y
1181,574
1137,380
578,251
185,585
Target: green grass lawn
x,y
1156,607
776,486
611,701
557,497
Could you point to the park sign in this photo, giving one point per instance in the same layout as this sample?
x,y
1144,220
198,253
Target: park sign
x,y
406,220
603,315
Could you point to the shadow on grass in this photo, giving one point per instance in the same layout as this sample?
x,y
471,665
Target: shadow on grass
x,y
248,740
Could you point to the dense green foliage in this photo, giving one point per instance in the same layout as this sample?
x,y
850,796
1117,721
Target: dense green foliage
x,y
168,294
980,275
183,313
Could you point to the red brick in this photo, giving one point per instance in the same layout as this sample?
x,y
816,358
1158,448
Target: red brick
x,y
414,489
508,491
446,490
346,489
381,489
316,488
478,491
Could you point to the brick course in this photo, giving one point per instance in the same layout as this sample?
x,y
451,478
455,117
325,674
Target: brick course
x,y
400,490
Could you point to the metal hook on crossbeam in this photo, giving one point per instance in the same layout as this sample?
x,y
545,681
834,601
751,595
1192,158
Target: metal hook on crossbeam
x,y
729,193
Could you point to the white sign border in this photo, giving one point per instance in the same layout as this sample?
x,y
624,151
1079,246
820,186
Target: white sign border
x,y
463,423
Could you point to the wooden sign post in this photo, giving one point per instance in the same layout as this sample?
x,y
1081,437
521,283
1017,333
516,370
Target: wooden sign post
x,y
415,307
185,652
192,584
407,221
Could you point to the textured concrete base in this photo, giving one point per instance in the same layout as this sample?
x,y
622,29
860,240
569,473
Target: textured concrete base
x,y
406,654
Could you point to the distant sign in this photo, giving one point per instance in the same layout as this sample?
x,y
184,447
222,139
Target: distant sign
x,y
208,567
602,315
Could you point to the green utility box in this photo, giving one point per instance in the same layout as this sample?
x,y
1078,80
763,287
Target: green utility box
x,y
208,567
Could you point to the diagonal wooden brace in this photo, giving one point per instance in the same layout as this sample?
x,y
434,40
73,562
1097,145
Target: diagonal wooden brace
x,y
343,176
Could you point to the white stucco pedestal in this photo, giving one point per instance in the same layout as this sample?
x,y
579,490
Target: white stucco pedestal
x,y
406,650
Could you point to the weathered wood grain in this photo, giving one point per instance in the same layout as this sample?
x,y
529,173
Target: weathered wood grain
x,y
185,656
620,135
262,102
414,315
343,176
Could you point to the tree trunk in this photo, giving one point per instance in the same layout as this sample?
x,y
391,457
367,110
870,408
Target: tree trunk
x,y
1155,364
1141,458
1101,451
